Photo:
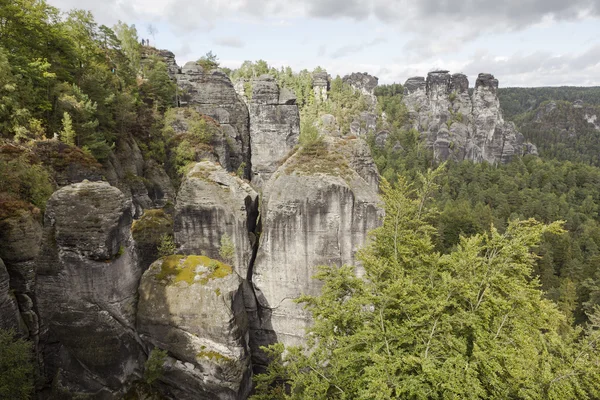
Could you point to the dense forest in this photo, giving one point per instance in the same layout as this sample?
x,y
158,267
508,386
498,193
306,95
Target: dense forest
x,y
517,100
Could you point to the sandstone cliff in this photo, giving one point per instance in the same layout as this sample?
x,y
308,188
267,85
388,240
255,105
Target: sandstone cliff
x,y
458,125
86,290
274,127
317,209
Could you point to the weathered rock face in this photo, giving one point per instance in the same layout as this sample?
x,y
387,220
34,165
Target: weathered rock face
x,y
364,124
212,93
316,211
193,307
20,237
9,311
212,204
320,85
365,84
274,127
144,182
87,279
459,126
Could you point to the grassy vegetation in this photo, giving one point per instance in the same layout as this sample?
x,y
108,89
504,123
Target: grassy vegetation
x,y
319,157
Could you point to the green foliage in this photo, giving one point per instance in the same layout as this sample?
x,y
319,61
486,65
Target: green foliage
x,y
16,367
208,61
158,87
308,132
227,249
166,247
67,134
468,324
130,43
21,180
154,367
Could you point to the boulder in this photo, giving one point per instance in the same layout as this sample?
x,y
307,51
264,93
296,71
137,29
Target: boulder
x,y
317,210
193,307
211,205
86,288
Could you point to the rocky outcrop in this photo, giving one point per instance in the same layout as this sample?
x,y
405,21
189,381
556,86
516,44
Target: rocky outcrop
x,y
213,205
365,84
274,127
212,93
193,307
460,126
320,85
87,279
317,210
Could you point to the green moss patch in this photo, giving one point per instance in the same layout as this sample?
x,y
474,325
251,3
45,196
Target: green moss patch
x,y
213,355
192,269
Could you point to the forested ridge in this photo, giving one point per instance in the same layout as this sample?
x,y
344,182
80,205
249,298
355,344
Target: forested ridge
x,y
482,282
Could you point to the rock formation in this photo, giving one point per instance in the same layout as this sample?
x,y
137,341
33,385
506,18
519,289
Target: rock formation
x,y
147,185
274,127
458,125
86,289
320,85
316,210
193,307
212,93
212,204
365,84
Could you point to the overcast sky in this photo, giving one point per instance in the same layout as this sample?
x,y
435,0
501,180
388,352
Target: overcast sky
x,y
521,42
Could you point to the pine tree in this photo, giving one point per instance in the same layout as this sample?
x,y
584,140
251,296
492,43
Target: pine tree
x,y
67,135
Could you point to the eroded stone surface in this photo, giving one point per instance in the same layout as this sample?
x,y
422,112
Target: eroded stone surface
x,y
193,307
316,214
87,279
212,203
212,93
274,127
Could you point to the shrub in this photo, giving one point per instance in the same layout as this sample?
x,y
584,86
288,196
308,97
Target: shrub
x,y
167,246
154,367
227,249
16,367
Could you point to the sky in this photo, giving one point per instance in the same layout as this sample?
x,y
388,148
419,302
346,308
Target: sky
x,y
521,42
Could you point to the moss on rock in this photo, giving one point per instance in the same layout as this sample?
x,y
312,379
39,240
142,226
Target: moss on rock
x,y
151,226
192,269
